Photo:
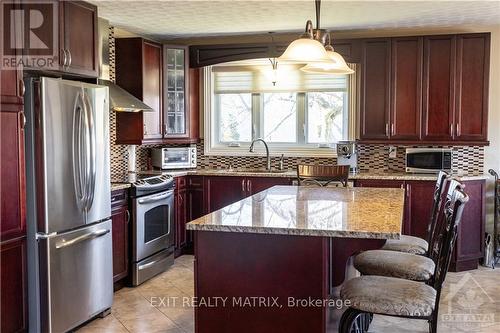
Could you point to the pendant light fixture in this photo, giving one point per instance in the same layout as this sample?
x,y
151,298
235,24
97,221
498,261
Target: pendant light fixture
x,y
336,64
306,48
309,49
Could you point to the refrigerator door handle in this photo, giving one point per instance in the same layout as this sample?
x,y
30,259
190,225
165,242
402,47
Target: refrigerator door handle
x,y
78,177
79,239
91,149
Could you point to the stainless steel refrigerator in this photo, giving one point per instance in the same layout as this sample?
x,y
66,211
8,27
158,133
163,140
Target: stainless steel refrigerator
x,y
68,208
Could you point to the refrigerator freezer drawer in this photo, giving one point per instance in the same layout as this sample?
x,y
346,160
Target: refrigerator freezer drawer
x,y
77,269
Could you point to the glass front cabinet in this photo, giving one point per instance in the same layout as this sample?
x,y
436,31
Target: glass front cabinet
x,y
175,99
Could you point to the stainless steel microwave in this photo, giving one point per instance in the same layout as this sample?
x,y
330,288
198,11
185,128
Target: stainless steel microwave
x,y
174,158
428,160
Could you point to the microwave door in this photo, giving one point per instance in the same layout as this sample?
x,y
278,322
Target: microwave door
x,y
424,162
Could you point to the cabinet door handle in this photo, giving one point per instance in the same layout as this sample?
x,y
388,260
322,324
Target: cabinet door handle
x,y
392,129
128,215
457,129
249,186
69,58
408,188
22,88
145,129
243,186
165,129
64,57
23,125
387,129
451,129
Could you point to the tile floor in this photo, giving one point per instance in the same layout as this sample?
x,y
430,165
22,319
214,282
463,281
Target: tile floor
x,y
143,310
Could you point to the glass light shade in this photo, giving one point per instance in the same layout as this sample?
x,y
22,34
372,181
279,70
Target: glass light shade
x,y
336,65
304,50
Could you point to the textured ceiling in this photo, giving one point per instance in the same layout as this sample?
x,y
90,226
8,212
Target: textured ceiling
x,y
180,19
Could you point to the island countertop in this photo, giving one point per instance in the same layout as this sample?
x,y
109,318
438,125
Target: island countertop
x,y
361,212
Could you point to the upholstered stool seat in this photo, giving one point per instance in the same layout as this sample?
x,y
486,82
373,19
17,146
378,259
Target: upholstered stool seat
x,y
390,296
408,244
395,264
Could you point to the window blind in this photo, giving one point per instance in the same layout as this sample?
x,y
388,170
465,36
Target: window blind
x,y
259,78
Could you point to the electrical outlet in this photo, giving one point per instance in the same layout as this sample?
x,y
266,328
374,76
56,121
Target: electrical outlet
x,y
393,151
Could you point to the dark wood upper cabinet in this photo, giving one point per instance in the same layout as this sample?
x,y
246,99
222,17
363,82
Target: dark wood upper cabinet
x,y
78,38
12,86
439,87
152,88
375,91
12,191
139,71
406,88
194,105
180,96
472,77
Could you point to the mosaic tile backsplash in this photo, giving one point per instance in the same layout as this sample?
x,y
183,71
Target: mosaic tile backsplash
x,y
467,160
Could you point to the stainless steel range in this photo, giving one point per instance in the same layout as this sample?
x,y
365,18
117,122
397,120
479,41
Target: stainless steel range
x,y
153,236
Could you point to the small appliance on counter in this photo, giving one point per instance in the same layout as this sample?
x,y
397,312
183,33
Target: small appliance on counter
x,y
174,158
346,155
428,160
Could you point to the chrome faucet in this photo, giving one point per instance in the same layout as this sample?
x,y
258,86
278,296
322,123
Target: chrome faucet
x,y
268,167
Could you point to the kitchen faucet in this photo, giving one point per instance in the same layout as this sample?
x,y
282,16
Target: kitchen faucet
x,y
268,167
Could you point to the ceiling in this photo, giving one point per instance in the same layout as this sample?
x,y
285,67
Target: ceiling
x,y
163,20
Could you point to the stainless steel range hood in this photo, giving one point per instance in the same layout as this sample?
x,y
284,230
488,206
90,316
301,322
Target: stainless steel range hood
x,y
119,99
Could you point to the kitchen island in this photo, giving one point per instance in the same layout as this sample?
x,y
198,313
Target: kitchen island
x,y
263,264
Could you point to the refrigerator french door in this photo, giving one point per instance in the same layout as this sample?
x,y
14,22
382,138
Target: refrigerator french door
x,y
68,190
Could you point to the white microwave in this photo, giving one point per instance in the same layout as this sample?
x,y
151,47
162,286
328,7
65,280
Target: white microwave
x,y
174,158
428,160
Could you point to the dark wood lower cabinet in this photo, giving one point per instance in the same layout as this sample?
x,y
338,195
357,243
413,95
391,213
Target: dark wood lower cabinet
x,y
223,191
13,286
469,247
120,218
180,201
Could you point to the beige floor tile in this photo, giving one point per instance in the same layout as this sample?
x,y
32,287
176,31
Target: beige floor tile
x,y
140,309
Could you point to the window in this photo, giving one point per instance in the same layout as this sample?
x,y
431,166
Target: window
x,y
303,114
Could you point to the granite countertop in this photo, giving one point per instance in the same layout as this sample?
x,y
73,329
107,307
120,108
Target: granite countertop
x,y
120,184
312,211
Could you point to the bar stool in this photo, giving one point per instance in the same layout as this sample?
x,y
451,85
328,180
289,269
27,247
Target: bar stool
x,y
416,245
405,265
322,175
396,297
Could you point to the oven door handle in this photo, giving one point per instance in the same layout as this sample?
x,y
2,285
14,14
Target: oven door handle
x,y
148,186
155,198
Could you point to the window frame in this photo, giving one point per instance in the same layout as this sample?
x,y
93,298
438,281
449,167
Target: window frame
x,y
302,149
